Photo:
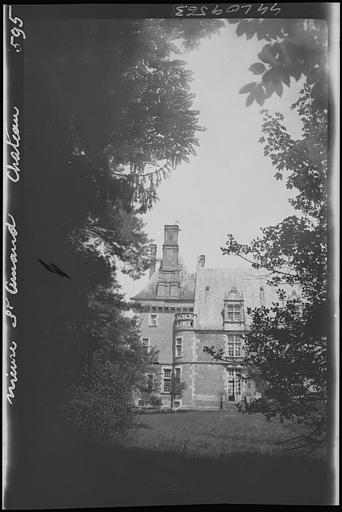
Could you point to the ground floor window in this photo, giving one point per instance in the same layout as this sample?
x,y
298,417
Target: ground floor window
x,y
167,380
177,374
234,384
149,377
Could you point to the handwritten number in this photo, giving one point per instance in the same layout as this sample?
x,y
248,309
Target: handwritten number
x,y
262,9
248,7
16,32
195,10
179,10
233,8
15,45
275,9
192,10
14,20
217,11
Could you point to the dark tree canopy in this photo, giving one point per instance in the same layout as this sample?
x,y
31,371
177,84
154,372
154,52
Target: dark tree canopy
x,y
108,114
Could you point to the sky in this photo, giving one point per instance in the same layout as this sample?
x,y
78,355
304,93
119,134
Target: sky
x,y
229,186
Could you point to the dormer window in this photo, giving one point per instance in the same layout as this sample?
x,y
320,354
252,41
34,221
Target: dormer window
x,y
234,312
233,307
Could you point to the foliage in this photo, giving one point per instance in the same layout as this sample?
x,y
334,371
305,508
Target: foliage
x,y
287,344
108,114
295,48
177,388
149,388
102,400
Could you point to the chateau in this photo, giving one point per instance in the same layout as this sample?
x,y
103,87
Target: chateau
x,y
183,312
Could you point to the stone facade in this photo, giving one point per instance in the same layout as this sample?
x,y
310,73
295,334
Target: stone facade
x,y
181,313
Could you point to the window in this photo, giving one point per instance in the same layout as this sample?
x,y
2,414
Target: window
x,y
168,289
234,384
167,380
146,344
234,312
153,320
179,342
234,346
178,374
149,377
161,290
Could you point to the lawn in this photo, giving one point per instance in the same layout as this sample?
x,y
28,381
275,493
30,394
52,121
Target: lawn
x,y
214,434
180,458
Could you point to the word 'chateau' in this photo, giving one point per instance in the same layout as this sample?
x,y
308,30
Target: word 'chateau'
x,y
183,312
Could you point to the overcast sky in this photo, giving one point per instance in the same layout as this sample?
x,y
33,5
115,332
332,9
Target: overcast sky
x,y
229,186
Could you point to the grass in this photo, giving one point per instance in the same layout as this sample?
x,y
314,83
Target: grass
x,y
181,458
214,434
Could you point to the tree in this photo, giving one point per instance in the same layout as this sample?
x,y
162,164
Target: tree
x,y
287,344
108,113
102,400
295,48
177,388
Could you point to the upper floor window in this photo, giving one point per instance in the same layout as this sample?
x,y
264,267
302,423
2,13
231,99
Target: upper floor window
x,y
178,374
233,306
179,347
146,344
168,289
234,312
153,320
234,346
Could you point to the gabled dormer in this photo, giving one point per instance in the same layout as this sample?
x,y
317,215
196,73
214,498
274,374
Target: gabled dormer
x,y
233,310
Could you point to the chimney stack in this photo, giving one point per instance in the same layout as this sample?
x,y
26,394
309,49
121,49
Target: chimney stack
x,y
170,248
153,259
201,260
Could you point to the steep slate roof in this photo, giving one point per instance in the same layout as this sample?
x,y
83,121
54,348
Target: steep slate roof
x,y
212,284
187,285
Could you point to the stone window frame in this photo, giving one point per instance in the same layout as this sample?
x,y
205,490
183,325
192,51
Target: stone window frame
x,y
168,379
236,342
177,345
147,345
176,376
236,309
232,374
150,322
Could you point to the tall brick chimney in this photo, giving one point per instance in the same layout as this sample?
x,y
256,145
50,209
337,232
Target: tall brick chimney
x,y
153,259
170,247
